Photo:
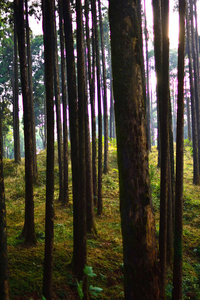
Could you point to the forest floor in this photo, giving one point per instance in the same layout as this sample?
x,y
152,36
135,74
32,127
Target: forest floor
x,y
104,249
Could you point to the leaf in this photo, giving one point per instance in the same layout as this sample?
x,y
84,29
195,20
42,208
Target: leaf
x,y
95,290
89,272
43,297
80,289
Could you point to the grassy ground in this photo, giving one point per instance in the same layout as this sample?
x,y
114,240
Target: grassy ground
x,y
104,250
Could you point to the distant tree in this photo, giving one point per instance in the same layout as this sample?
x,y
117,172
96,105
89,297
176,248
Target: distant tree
x,y
137,220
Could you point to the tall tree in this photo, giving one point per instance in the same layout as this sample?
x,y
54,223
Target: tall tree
x,y
138,228
105,116
29,62
4,286
95,24
177,270
58,114
196,177
48,15
16,98
29,227
64,102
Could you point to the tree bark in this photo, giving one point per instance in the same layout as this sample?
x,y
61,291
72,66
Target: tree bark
x,y
16,99
177,270
48,15
4,285
138,228
29,227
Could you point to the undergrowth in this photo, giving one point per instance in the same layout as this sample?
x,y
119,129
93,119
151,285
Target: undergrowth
x,y
104,249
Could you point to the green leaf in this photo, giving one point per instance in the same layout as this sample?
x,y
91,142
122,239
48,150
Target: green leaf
x,y
43,297
89,272
95,290
80,289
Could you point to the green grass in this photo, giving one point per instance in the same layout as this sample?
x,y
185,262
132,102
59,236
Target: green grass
x,y
104,249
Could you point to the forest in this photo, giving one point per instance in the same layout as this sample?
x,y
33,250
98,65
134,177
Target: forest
x,y
99,150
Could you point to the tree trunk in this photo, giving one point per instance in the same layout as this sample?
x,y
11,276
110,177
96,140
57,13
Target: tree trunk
x,y
177,270
48,16
4,286
94,19
196,177
31,92
89,178
58,115
16,99
138,228
29,227
105,117
64,102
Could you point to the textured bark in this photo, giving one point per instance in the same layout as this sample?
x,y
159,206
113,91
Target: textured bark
x,y
4,286
196,177
164,138
29,60
58,114
29,227
93,117
177,270
64,102
105,112
94,19
16,99
138,228
48,15
73,118
80,261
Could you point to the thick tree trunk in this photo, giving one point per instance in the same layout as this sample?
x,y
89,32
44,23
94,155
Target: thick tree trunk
x,y
138,228
48,15
29,227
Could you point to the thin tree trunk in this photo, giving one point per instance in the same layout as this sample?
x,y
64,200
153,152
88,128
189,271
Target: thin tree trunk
x,y
16,99
196,177
58,114
188,119
4,285
94,16
31,92
177,270
64,101
105,168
